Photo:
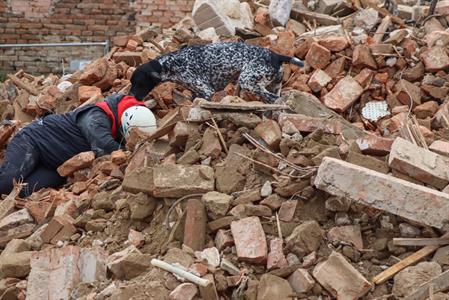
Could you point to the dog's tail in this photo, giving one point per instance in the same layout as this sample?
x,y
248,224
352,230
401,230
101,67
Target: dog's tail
x,y
289,59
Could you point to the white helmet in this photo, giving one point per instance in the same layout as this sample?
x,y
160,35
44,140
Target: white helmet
x,y
138,117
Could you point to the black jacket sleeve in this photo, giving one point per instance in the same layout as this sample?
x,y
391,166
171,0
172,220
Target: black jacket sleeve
x,y
96,128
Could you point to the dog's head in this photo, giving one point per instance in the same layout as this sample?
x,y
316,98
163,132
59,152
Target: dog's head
x,y
145,78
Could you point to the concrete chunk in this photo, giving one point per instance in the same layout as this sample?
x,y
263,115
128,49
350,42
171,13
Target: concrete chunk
x,y
419,163
340,278
279,11
383,192
181,180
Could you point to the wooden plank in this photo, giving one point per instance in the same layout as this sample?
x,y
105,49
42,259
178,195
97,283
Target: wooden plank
x,y
415,257
383,27
246,106
19,83
438,284
420,241
323,19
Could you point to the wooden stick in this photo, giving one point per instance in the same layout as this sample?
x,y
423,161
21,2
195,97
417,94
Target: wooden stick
x,y
19,83
420,241
220,136
242,106
180,272
434,285
379,35
418,255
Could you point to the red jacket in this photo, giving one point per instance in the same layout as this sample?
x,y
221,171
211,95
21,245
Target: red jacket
x,y
114,108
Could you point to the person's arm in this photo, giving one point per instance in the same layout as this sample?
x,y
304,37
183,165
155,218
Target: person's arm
x,y
96,128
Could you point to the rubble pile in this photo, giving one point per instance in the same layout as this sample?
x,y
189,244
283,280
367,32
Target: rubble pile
x,y
340,189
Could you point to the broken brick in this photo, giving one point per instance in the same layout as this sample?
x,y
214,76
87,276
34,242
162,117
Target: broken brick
x,y
343,95
412,201
318,57
59,228
78,162
423,165
408,93
287,210
211,144
223,239
250,240
334,43
276,258
195,225
86,92
301,281
350,284
435,59
375,145
362,57
270,132
425,110
181,180
118,157
318,80
351,235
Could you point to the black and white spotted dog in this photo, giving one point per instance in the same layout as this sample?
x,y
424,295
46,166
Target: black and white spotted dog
x,y
205,69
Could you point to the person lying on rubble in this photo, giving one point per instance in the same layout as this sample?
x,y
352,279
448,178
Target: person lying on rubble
x,y
206,69
37,150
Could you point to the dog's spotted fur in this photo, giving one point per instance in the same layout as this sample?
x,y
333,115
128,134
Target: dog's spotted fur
x,y
205,69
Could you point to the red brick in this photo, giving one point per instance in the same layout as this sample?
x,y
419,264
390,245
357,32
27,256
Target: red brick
x,y
195,225
270,132
407,93
435,59
86,92
223,239
250,240
421,164
411,201
318,80
334,43
375,145
318,57
301,281
349,284
276,258
425,110
440,147
362,57
343,95
59,228
78,162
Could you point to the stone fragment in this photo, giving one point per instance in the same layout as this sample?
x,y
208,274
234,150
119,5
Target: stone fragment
x,y
250,240
273,287
139,180
350,234
350,284
305,238
287,210
217,204
407,280
279,11
301,281
16,265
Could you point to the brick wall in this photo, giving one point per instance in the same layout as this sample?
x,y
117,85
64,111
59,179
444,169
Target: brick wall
x,y
54,21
